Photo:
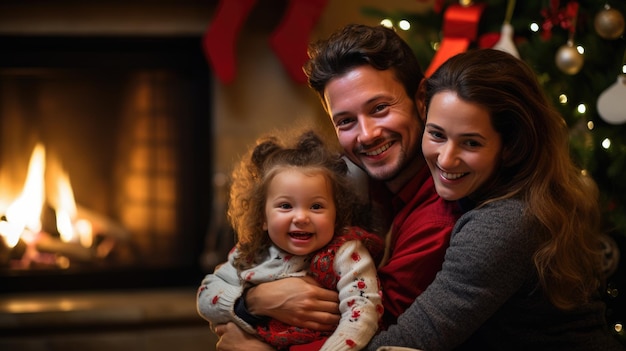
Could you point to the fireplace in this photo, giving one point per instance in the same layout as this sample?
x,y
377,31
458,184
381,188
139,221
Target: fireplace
x,y
110,138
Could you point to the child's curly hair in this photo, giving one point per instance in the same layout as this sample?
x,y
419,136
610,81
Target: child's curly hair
x,y
251,178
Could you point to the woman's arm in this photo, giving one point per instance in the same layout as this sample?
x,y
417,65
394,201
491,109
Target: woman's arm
x,y
489,259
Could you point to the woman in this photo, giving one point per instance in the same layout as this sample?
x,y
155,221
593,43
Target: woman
x,y
523,268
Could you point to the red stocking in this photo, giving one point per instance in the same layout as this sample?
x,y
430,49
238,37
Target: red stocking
x,y
290,39
220,38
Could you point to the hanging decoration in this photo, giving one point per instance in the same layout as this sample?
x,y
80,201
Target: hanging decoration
x,y
219,41
609,23
505,43
555,16
460,28
568,59
611,102
289,40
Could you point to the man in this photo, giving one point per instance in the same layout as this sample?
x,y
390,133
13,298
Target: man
x,y
368,80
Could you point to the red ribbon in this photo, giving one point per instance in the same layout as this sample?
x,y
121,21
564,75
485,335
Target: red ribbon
x,y
559,17
460,28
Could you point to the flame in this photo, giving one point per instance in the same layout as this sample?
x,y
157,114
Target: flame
x,y
25,212
23,216
65,207
70,229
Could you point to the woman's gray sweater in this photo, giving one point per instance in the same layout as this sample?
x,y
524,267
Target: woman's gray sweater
x,y
486,295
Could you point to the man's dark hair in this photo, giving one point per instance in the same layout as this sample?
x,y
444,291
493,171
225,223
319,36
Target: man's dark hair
x,y
356,45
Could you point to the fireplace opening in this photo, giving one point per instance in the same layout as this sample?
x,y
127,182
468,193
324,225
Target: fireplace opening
x,y
105,162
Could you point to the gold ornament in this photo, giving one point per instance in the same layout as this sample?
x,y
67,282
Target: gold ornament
x,y
568,59
609,23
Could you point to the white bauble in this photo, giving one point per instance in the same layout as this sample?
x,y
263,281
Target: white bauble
x,y
506,43
611,102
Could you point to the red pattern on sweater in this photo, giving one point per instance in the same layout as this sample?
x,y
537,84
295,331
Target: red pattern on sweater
x,y
281,335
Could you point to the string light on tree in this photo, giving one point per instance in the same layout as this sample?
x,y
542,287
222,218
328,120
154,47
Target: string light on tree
x,y
404,25
387,23
618,327
534,27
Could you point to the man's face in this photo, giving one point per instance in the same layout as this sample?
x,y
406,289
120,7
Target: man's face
x,y
377,124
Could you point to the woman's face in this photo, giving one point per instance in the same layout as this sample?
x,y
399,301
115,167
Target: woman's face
x,y
460,145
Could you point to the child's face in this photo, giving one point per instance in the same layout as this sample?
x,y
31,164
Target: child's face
x,y
300,211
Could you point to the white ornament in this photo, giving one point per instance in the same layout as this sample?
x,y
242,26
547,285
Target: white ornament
x,y
506,43
611,103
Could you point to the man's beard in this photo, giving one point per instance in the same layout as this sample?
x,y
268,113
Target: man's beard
x,y
388,172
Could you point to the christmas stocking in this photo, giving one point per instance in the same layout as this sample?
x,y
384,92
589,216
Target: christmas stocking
x,y
290,39
219,41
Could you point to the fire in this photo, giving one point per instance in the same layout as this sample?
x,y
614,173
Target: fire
x,y
22,218
25,212
70,229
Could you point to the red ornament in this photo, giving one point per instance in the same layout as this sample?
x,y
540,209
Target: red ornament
x,y
488,40
460,28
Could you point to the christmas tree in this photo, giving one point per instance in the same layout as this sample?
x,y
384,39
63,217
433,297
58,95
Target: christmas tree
x,y
578,50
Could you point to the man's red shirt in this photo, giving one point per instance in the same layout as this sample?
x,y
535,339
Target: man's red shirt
x,y
420,234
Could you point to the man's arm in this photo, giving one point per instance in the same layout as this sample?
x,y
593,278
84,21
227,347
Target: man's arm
x,y
295,301
298,301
